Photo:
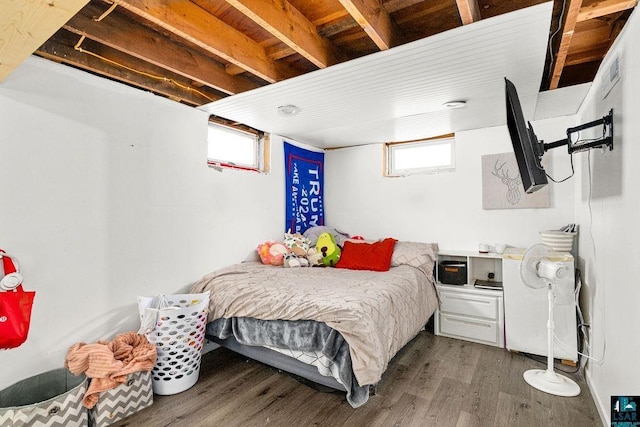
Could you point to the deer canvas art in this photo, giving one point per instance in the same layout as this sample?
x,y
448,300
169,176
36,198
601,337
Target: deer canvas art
x,y
502,187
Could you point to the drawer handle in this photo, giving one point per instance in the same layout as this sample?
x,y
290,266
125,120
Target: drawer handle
x,y
470,299
469,323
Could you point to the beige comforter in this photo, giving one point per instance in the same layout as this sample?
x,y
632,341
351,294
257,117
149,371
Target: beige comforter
x,y
377,313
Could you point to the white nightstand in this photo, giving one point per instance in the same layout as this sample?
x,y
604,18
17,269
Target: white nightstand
x,y
471,313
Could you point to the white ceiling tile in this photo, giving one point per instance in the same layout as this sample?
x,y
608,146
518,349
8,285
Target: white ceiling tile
x,y
560,102
398,94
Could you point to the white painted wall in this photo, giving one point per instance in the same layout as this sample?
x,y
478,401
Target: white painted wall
x,y
445,207
105,195
609,250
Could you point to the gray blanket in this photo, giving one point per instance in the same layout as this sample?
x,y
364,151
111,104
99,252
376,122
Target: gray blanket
x,y
301,335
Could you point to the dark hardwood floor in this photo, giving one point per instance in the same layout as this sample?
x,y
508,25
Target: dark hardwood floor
x,y
433,381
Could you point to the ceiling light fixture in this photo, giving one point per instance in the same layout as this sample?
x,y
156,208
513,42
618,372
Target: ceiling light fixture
x,y
288,110
454,104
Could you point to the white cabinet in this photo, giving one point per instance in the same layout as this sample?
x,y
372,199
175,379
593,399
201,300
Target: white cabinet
x,y
526,310
467,312
470,314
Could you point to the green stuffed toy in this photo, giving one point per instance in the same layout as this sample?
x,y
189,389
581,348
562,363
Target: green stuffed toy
x,y
330,251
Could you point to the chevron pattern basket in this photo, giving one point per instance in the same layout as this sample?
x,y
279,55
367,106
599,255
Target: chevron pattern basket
x,y
52,398
122,401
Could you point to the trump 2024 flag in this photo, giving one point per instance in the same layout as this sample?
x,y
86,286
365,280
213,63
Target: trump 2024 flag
x,y
304,188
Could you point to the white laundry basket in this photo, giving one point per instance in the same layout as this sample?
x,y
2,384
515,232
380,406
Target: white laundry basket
x,y
178,335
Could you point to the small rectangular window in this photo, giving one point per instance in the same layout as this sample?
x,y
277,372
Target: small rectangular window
x,y
233,148
422,156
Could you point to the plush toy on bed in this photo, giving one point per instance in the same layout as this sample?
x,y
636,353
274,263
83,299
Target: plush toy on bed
x,y
292,260
272,253
301,253
328,248
314,257
296,243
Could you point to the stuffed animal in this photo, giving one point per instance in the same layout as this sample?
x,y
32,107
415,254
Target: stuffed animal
x,y
314,257
293,260
296,243
272,253
330,251
305,254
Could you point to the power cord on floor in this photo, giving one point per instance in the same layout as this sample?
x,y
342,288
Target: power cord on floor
x,y
543,361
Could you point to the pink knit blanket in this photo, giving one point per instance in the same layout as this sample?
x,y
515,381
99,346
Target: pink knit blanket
x,y
108,363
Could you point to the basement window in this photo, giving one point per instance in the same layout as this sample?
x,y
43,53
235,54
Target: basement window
x,y
430,155
237,147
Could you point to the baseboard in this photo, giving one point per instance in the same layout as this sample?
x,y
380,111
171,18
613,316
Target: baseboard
x,y
603,409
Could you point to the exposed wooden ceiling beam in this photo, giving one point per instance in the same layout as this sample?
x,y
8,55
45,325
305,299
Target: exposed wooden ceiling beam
x,y
290,26
587,56
568,27
469,11
26,25
197,26
604,7
121,34
61,49
375,21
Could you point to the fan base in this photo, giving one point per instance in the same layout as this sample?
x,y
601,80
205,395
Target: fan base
x,y
552,383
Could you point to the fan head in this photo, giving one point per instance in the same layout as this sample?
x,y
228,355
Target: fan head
x,y
538,270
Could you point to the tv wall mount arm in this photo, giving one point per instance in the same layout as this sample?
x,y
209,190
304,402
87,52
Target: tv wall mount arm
x,y
606,141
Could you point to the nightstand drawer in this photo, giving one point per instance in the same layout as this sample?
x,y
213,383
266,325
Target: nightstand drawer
x,y
469,304
473,329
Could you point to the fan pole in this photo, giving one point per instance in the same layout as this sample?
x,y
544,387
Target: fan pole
x,y
550,328
548,380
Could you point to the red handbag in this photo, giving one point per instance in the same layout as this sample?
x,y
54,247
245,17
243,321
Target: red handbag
x,y
15,306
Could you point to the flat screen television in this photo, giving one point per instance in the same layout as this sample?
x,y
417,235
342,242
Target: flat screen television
x,y
527,148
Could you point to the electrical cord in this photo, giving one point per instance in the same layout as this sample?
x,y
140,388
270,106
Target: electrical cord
x,y
577,144
564,179
551,58
585,343
581,333
595,262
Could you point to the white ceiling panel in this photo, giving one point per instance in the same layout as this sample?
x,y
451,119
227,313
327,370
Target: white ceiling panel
x,y
561,102
398,94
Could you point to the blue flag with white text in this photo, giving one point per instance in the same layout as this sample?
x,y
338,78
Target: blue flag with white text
x,y
304,188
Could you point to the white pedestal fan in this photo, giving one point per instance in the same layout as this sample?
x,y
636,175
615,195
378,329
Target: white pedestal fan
x,y
537,271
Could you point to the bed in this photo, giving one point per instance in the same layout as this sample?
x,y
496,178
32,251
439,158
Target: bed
x,y
337,327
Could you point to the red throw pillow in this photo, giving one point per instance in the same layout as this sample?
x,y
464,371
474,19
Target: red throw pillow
x,y
367,256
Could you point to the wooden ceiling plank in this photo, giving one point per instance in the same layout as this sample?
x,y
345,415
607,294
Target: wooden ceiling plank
x,y
234,70
59,51
119,33
26,25
190,22
338,15
568,27
279,51
395,5
286,23
336,27
604,7
469,11
375,21
586,56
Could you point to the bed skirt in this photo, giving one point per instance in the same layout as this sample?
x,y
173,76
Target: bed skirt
x,y
278,361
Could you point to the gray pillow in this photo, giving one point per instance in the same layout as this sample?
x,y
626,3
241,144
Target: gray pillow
x,y
314,232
